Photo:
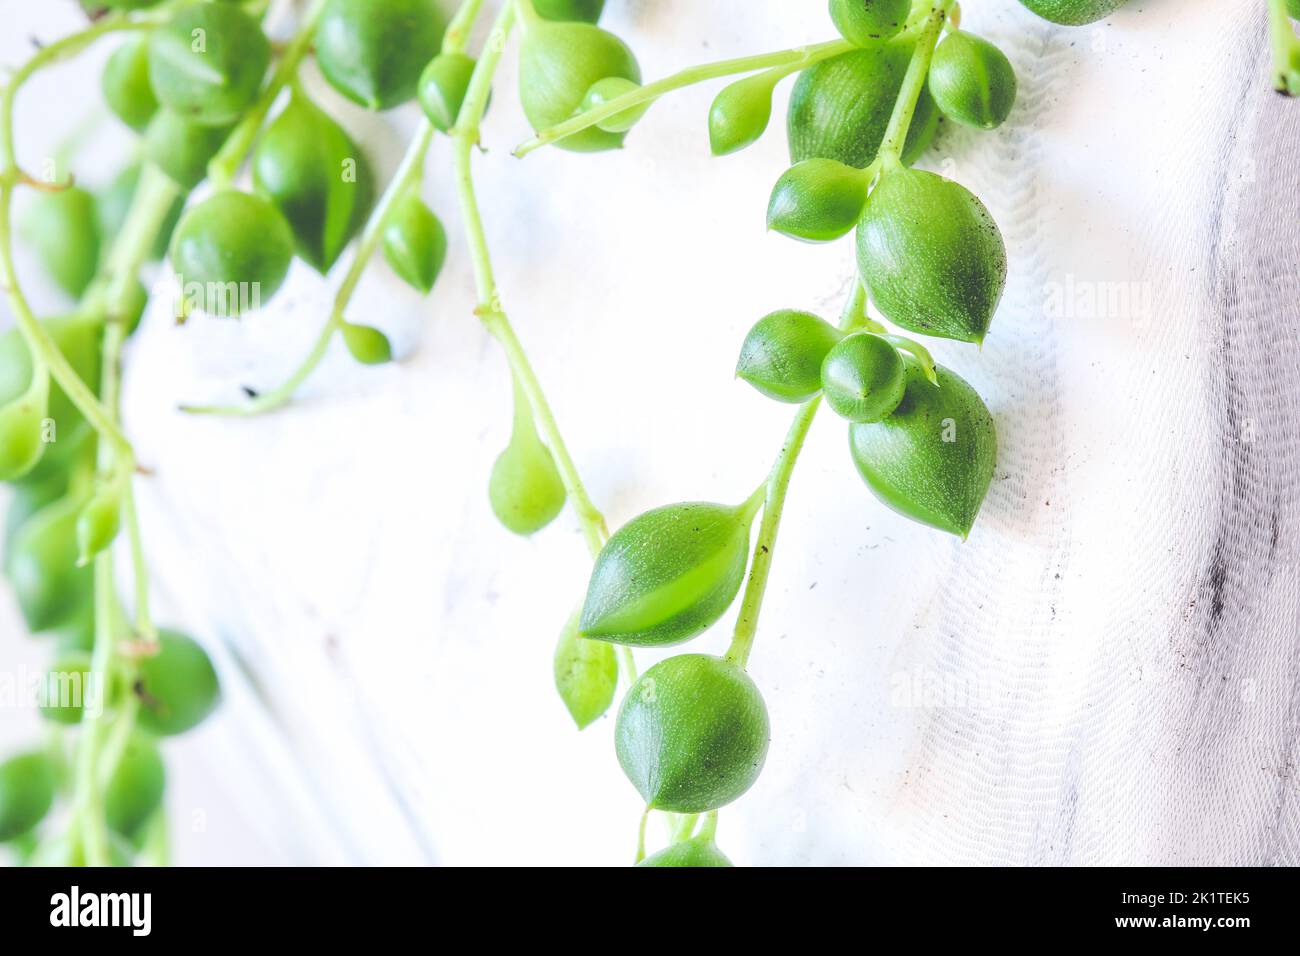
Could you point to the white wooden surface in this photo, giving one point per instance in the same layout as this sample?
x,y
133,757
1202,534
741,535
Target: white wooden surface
x,y
1105,673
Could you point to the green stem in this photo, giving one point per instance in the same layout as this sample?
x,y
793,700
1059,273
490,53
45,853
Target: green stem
x,y
640,835
456,39
223,167
149,207
589,516
684,826
891,147
1286,49
87,795
464,138
778,483
796,59
157,844
406,177
87,802
153,200
710,829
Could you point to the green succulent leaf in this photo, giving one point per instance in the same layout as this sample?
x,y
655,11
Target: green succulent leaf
x,y
741,112
692,733
586,11
1073,13
697,851
207,63
443,86
818,200
180,148
135,790
177,686
863,378
312,171
558,64
864,22
933,458
126,87
22,429
611,88
67,688
51,589
972,81
64,432
367,345
27,787
586,674
374,53
231,253
62,228
525,489
840,107
98,524
783,353
667,575
415,243
931,255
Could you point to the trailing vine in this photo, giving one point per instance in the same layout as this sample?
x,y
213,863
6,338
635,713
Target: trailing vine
x,y
209,95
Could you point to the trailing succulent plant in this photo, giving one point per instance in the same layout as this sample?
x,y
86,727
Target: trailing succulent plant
x,y
207,94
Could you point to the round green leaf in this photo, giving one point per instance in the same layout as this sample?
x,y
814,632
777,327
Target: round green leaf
x,y
66,433
67,688
177,686
98,524
207,63
27,784
22,430
931,255
840,108
587,11
135,790
443,86
374,53
864,22
863,378
783,353
126,86
312,171
231,253
558,64
1073,13
933,458
692,733
740,113
697,851
586,674
667,575
51,589
972,81
180,148
525,489
415,243
818,200
367,345
611,88
62,228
